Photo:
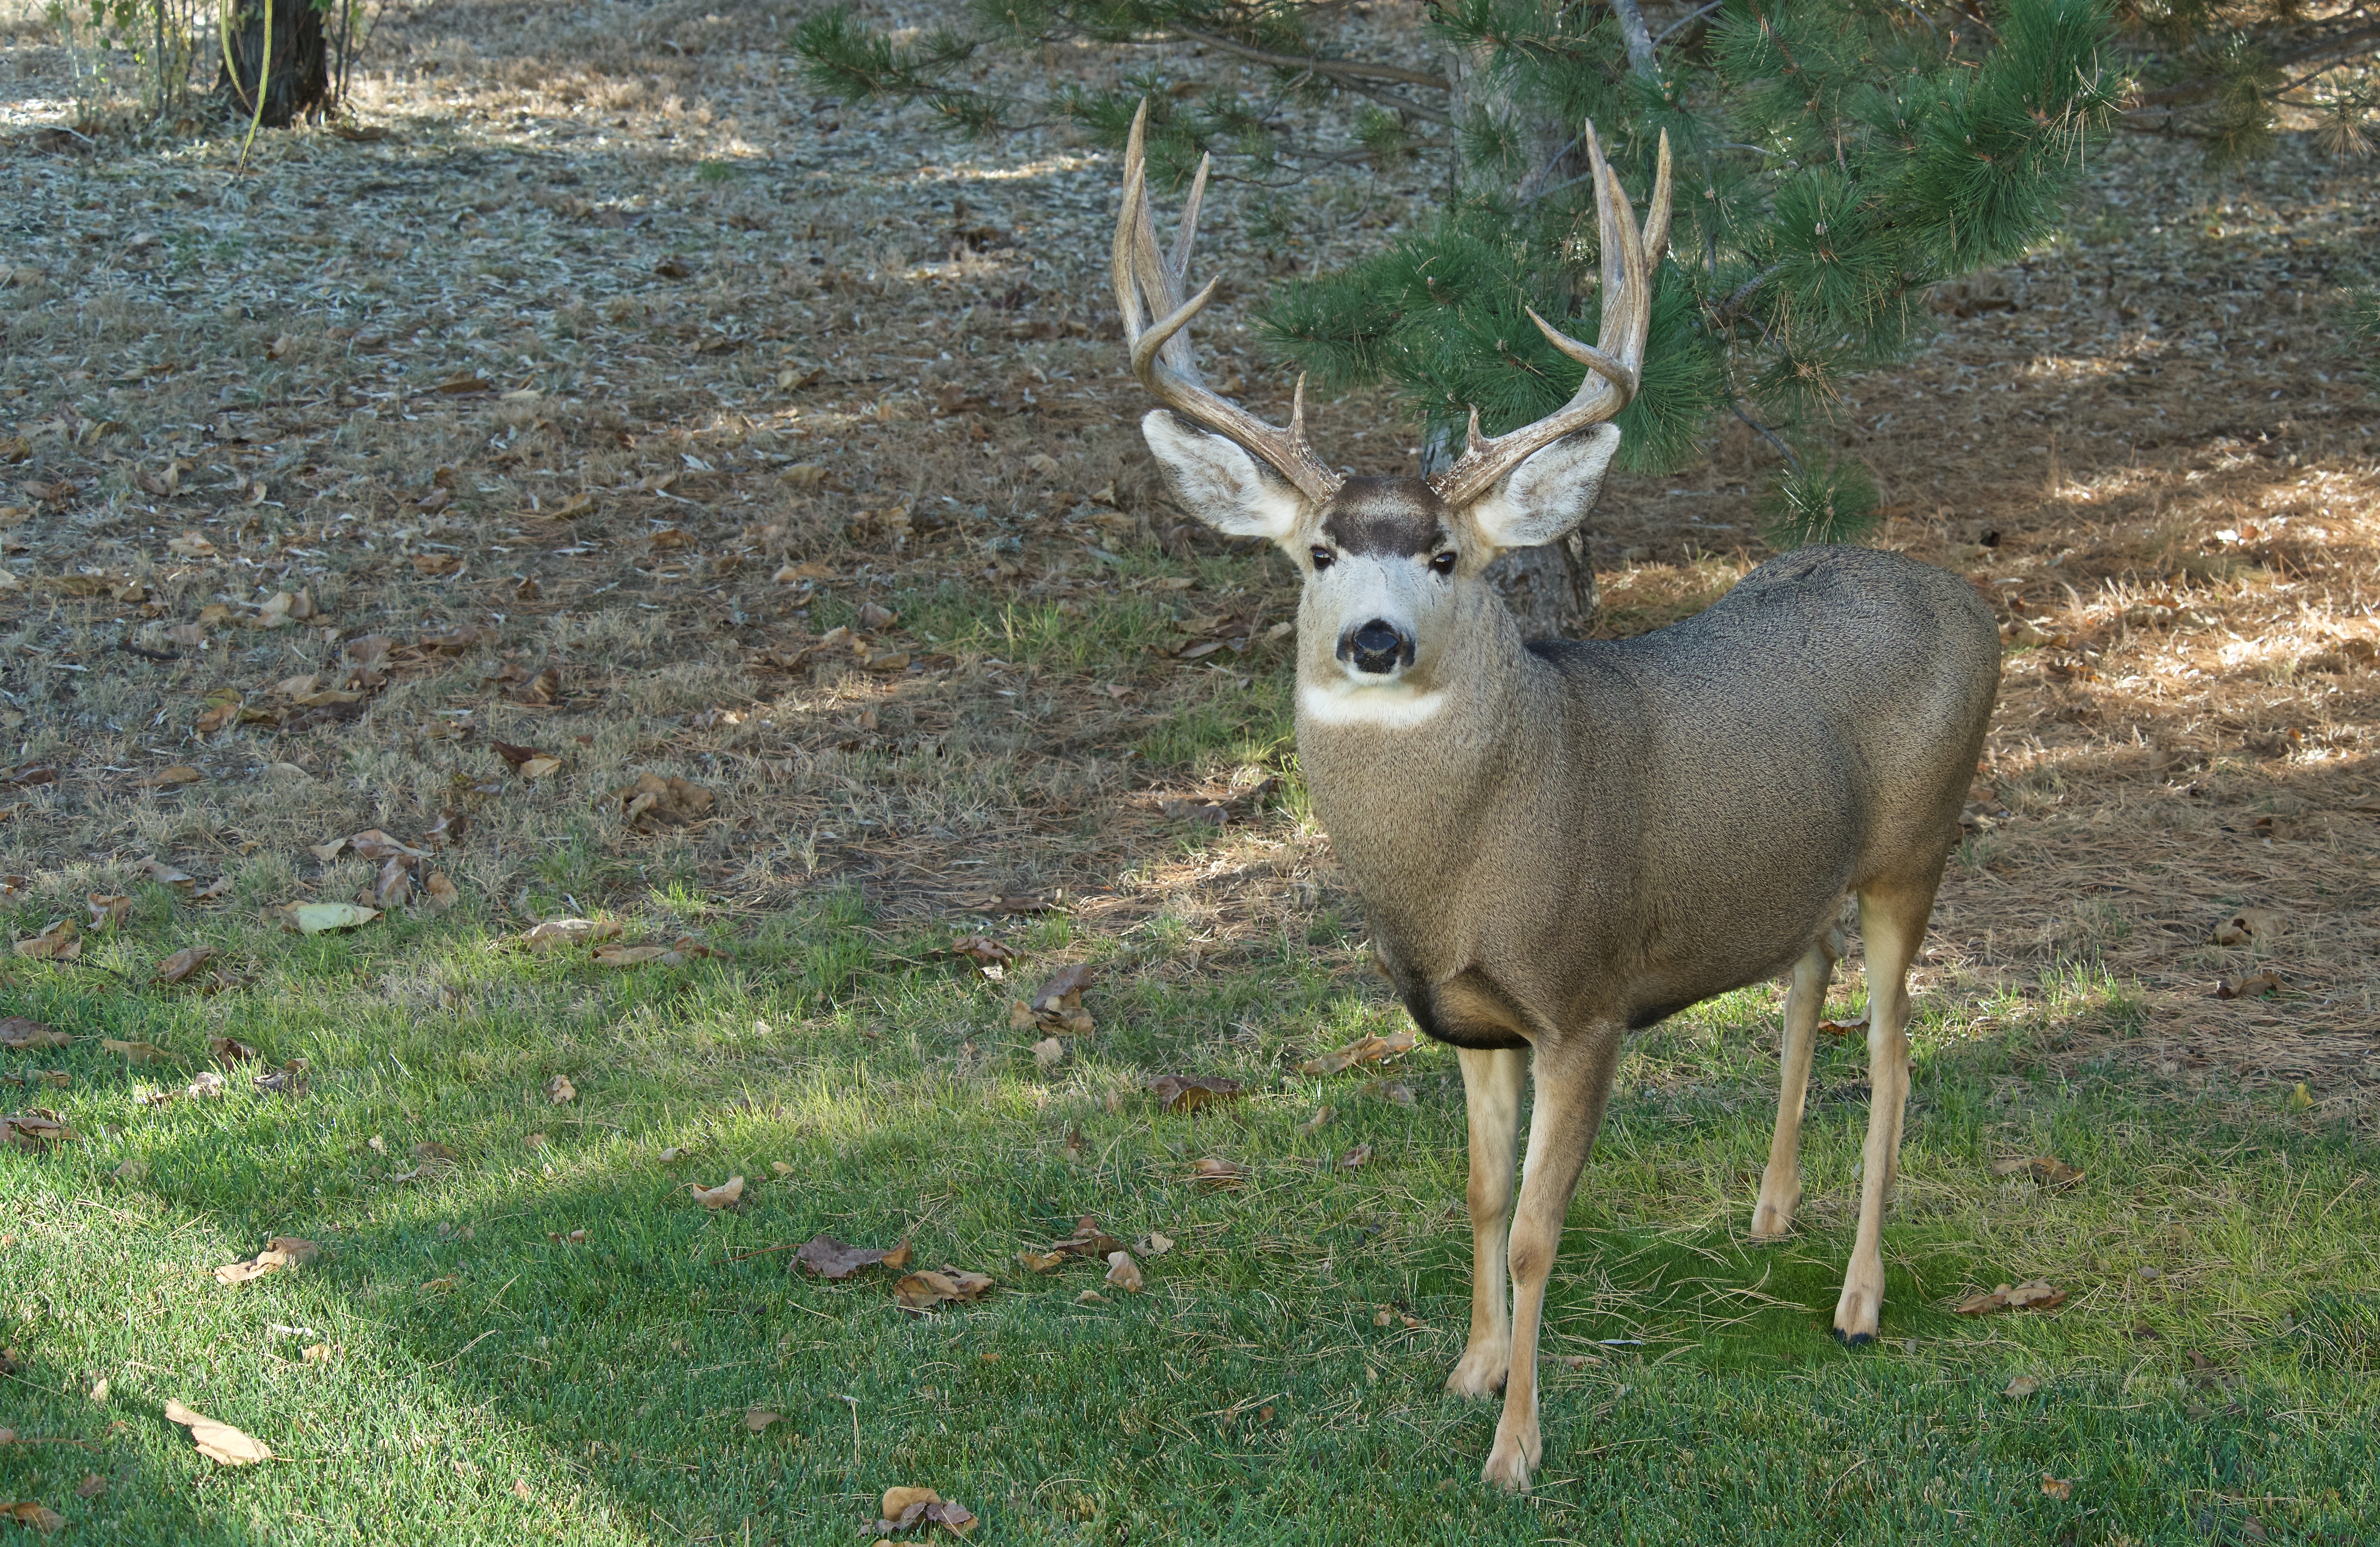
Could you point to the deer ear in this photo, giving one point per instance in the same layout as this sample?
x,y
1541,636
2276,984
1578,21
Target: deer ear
x,y
1551,493
1220,483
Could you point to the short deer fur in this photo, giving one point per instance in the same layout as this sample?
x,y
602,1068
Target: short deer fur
x,y
1558,842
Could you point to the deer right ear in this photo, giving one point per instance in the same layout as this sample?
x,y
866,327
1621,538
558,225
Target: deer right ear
x,y
1220,483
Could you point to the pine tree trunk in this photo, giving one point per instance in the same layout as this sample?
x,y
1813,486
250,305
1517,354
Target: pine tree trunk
x,y
1550,588
297,85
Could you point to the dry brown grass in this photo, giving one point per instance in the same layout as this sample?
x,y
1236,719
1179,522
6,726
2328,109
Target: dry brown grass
x,y
744,325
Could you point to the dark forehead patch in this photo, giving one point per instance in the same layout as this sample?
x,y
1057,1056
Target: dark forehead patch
x,y
1390,515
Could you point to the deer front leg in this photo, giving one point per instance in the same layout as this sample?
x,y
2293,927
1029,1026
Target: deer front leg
x,y
1492,1104
1573,1081
1780,1184
1891,925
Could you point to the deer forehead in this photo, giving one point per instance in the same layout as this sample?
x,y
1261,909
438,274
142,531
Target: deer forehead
x,y
1388,516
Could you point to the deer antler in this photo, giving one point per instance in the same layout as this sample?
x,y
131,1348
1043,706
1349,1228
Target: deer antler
x,y
1630,257
1156,320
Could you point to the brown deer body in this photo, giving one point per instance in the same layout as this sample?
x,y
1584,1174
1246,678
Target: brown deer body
x,y
1559,843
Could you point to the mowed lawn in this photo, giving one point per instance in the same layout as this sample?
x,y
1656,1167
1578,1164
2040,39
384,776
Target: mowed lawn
x,y
481,1372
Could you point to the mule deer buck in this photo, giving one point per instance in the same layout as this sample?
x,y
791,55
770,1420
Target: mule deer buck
x,y
1559,843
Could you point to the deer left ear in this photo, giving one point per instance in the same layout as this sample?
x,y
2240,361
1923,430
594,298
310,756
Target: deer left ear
x,y
1549,494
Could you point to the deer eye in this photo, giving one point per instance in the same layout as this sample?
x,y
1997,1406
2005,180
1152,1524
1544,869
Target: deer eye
x,y
1443,564
1321,557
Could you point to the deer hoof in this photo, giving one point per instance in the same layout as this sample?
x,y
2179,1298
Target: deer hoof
x,y
1856,1315
1480,1371
1510,1459
1770,1224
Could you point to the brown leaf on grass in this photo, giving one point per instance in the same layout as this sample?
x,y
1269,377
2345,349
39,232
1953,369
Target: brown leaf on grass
x,y
282,1251
164,875
2249,926
39,1517
373,844
2059,1488
1222,1174
1123,1272
985,951
218,1442
182,963
91,1486
570,931
212,891
431,566
757,1419
2032,1295
656,803
1042,1261
2253,986
60,941
831,1259
35,1128
22,1032
1367,1050
438,893
1322,1115
1059,1007
327,852
905,1508
208,1083
517,758
2048,1170
1857,1024
573,1238
318,917
723,1196
135,1053
558,1090
230,1050
289,1080
167,778
221,710
394,884
1004,902
923,1291
2021,1387
1185,1093
1048,1053
1389,1091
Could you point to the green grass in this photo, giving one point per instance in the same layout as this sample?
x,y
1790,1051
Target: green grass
x,y
488,1383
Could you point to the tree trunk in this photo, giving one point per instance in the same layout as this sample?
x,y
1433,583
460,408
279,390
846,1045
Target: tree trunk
x,y
1550,588
297,85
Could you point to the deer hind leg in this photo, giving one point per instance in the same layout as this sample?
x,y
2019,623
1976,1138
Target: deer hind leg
x,y
1892,924
1780,1184
1491,1102
1574,1082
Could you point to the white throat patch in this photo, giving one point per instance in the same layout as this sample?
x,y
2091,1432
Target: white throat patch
x,y
1390,706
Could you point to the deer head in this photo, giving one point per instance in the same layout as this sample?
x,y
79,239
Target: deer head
x,y
1389,564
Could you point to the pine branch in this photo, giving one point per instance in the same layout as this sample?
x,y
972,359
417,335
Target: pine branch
x,y
2202,88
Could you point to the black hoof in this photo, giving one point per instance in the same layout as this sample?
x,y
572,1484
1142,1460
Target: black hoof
x,y
1854,1340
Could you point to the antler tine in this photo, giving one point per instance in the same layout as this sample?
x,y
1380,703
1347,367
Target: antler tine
x,y
1613,369
1160,341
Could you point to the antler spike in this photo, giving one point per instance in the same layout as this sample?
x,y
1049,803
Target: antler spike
x,y
1156,329
1614,366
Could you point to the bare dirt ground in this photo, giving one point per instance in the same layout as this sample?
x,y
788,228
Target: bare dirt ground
x,y
615,355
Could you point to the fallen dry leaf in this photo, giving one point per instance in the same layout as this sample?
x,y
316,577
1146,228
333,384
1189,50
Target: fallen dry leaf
x,y
107,910
923,1291
1389,1091
558,1090
905,1507
1123,1272
135,1053
757,1419
217,1442
1182,1093
182,963
1856,1025
655,803
2251,987
1157,1244
209,1083
439,892
41,1517
318,917
984,951
19,1031
1059,1007
167,778
327,852
1367,1050
571,1237
1047,1052
91,1486
282,1251
231,1050
2033,1295
570,931
36,1128
60,941
831,1259
2059,1488
2021,1386
2048,1170
2249,926
1221,1174
517,758
164,875
723,1196
1361,1155
1322,1115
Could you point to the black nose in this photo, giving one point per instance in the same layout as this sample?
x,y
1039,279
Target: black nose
x,y
1377,646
